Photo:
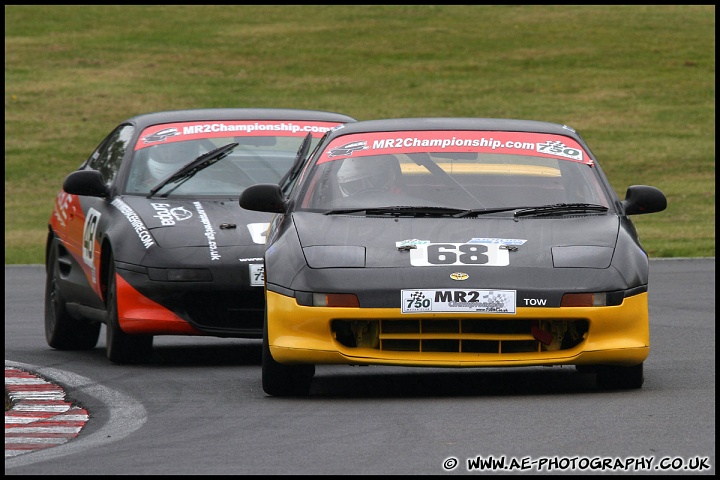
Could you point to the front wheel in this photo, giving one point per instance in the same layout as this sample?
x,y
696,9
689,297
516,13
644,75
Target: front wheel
x,y
62,331
611,377
120,347
283,380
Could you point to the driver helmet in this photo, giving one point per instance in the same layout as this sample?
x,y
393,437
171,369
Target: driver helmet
x,y
360,174
166,159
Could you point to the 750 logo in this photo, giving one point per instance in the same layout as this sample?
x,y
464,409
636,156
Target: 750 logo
x,y
560,149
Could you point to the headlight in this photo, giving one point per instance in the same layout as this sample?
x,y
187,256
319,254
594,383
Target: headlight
x,y
335,300
348,300
584,300
180,274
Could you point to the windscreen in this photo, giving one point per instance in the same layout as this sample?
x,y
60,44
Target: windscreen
x,y
264,154
455,169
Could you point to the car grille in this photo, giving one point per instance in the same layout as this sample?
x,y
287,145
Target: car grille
x,y
461,335
232,314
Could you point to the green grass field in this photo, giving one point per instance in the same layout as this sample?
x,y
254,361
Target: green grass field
x,y
637,81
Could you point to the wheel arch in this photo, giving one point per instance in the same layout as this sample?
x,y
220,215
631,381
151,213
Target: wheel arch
x,y
106,256
48,245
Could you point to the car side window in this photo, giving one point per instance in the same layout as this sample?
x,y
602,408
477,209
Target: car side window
x,y
108,156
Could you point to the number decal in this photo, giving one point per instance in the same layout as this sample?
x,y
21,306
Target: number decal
x,y
442,254
473,254
257,274
89,233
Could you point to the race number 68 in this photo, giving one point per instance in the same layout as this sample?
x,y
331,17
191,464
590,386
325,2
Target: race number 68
x,y
441,254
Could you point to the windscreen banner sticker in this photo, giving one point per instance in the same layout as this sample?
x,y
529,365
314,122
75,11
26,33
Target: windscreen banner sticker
x,y
467,141
178,132
257,274
458,301
445,254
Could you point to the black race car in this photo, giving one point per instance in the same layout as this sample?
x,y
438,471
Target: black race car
x,y
146,237
446,242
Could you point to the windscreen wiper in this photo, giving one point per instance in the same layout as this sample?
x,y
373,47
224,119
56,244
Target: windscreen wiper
x,y
559,208
428,211
425,211
189,170
482,211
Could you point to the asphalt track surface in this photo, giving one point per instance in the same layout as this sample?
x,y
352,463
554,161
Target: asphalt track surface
x,y
673,413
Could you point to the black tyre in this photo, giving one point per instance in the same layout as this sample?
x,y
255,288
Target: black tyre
x,y
585,368
120,347
283,380
611,377
62,331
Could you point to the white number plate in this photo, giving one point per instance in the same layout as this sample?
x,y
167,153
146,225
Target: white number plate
x,y
458,301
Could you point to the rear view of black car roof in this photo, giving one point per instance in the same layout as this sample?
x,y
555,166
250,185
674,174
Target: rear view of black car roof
x,y
207,114
450,123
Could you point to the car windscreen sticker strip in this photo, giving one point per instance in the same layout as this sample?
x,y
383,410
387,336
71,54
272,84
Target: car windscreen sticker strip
x,y
513,143
177,132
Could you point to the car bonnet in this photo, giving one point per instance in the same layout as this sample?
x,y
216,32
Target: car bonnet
x,y
343,240
195,222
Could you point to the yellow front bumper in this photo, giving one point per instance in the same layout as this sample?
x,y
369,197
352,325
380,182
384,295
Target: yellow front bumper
x,y
617,335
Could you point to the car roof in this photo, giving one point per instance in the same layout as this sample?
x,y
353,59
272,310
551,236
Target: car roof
x,y
451,123
208,114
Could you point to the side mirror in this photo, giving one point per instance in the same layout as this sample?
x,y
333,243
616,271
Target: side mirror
x,y
643,199
87,183
263,197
